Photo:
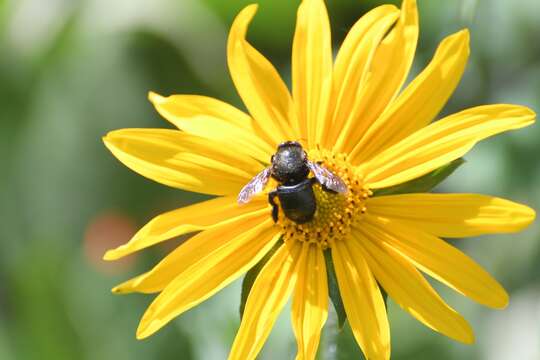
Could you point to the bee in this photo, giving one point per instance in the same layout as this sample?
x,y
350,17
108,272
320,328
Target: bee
x,y
290,167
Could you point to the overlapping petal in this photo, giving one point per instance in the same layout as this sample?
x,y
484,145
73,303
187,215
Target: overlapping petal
x,y
264,93
268,296
312,69
364,305
218,264
213,119
182,160
310,301
352,68
193,251
389,69
196,217
453,215
440,260
441,142
420,102
409,288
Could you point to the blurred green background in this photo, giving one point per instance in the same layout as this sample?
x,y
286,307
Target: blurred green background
x,y
71,70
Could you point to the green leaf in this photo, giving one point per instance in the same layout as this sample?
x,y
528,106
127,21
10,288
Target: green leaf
x,y
333,290
251,275
424,183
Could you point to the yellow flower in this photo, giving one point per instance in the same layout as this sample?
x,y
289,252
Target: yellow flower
x,y
350,114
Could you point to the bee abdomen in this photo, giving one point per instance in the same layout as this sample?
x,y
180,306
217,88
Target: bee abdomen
x,y
298,201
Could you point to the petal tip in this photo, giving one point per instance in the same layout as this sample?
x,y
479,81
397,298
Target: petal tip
x,y
465,335
112,255
140,335
471,339
528,116
461,36
529,113
468,337
124,288
249,11
106,138
528,216
107,256
408,4
110,138
410,11
502,300
532,215
155,98
146,328
239,27
464,35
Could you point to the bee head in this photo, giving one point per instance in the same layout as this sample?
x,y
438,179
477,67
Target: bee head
x,y
289,163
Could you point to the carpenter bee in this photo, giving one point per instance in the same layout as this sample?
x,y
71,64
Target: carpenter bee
x,y
290,167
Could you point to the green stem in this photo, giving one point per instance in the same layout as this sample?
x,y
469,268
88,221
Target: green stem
x,y
331,334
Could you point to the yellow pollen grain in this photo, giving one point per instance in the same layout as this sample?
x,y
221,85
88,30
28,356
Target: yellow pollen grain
x,y
335,212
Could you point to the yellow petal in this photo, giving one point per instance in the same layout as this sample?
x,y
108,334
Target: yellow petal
x,y
188,219
191,252
442,142
453,215
181,160
268,296
264,93
312,69
215,269
310,301
389,70
409,288
213,119
363,302
421,101
440,260
351,70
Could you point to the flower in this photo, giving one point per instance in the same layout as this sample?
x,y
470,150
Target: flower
x,y
350,115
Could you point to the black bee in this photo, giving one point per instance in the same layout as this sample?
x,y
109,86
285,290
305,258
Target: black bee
x,y
291,167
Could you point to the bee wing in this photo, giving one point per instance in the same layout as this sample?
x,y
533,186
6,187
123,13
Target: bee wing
x,y
255,186
327,178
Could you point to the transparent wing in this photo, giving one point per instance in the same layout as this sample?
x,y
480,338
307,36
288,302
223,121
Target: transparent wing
x,y
255,186
327,178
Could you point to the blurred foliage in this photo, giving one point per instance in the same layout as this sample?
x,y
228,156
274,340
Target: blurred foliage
x,y
72,70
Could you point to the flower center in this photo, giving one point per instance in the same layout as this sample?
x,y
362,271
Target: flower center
x,y
335,213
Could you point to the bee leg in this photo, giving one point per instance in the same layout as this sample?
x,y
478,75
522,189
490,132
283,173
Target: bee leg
x,y
315,181
271,196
